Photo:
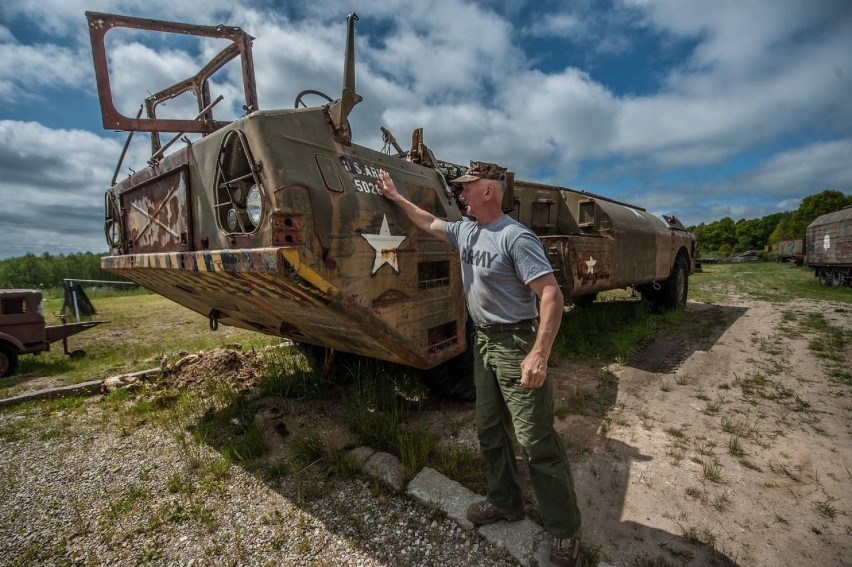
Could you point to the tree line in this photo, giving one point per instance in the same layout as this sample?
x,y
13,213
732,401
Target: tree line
x,y
722,237
725,236
34,272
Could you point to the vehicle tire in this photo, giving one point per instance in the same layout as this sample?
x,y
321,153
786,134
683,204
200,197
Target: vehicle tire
x,y
453,379
673,292
824,276
836,277
584,301
322,358
8,360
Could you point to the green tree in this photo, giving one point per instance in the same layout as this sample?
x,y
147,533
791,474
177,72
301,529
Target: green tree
x,y
780,229
754,234
718,233
811,207
31,271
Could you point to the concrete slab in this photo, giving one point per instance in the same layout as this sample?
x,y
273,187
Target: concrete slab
x,y
434,489
91,388
525,540
83,389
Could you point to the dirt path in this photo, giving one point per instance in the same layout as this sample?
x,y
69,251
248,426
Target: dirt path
x,y
726,441
724,444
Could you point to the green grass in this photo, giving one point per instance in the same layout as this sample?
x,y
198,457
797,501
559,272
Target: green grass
x,y
767,281
141,328
827,341
606,330
383,402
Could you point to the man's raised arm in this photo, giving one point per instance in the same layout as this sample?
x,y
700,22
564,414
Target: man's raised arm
x,y
424,220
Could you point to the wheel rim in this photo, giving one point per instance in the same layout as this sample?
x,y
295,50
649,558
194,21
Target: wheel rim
x,y
836,278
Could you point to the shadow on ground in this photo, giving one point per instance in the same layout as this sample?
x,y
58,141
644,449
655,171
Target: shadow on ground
x,y
605,470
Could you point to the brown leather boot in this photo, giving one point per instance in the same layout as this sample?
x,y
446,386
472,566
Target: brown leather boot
x,y
484,512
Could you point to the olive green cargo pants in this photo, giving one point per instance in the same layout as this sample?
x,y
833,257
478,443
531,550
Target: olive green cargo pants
x,y
503,405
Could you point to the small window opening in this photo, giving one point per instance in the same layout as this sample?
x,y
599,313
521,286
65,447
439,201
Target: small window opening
x,y
432,275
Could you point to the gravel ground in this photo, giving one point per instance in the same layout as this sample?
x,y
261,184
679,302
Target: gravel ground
x,y
86,485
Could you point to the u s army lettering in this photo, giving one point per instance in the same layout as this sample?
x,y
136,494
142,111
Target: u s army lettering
x,y
481,258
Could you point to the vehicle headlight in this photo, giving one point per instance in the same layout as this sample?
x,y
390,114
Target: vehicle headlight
x,y
254,205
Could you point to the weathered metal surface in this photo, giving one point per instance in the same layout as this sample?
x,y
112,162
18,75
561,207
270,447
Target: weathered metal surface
x,y
274,223
23,327
157,214
789,248
597,243
55,333
829,240
828,243
277,291
100,24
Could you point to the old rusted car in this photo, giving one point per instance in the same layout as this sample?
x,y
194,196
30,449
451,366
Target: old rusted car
x,y
273,221
23,329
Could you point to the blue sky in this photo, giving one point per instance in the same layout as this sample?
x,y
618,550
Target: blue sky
x,y
698,109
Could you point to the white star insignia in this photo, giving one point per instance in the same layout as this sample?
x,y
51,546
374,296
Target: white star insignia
x,y
385,246
591,264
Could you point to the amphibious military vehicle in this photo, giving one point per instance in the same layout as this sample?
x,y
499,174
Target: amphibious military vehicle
x,y
273,221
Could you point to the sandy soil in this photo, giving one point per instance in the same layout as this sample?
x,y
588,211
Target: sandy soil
x,y
723,442
646,475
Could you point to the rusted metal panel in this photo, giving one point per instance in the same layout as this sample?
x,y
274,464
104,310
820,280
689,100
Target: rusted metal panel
x,y
582,265
275,292
275,223
156,213
20,320
829,240
100,24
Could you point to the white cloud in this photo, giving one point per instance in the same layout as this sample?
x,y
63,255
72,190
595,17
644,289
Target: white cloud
x,y
40,163
762,75
67,17
52,188
26,70
792,173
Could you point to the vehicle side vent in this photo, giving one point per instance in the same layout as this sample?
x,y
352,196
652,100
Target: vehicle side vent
x,y
239,191
587,211
515,213
432,275
543,215
442,337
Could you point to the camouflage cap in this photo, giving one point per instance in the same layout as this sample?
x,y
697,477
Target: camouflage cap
x,y
482,170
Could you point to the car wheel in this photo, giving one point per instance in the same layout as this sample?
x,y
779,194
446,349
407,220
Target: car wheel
x,y
8,360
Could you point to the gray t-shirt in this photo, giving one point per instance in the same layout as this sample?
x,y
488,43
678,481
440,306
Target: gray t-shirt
x,y
498,260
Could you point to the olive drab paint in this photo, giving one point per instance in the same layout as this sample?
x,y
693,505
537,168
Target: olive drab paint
x,y
274,222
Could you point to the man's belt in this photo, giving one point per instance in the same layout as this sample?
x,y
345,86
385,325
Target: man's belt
x,y
525,325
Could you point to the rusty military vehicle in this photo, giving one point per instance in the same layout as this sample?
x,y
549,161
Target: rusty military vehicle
x,y
828,247
273,221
